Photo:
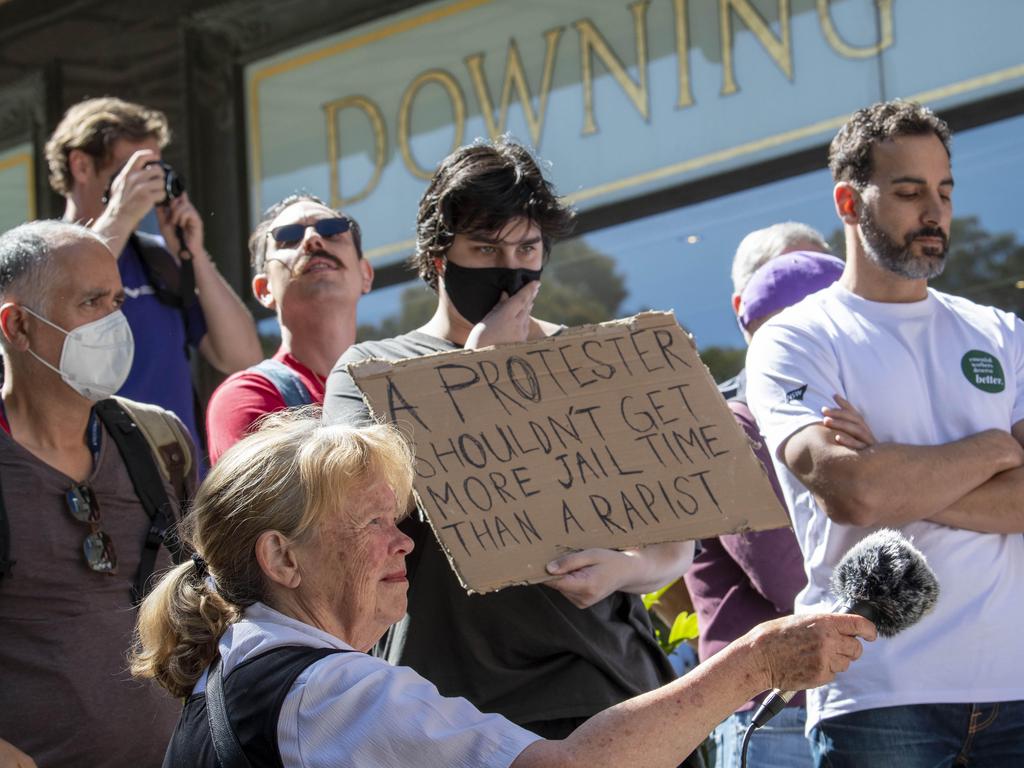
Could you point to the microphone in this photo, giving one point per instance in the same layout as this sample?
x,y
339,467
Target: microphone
x,y
883,578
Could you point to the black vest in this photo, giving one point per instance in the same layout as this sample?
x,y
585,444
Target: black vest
x,y
253,693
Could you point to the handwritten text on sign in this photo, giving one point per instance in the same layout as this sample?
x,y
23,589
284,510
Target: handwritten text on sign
x,y
610,435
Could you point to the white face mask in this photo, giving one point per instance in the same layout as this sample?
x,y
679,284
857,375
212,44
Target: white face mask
x,y
96,357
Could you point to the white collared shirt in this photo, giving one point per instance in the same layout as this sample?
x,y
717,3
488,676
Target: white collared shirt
x,y
351,709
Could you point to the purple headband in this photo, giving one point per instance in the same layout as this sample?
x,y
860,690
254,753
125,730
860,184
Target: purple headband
x,y
784,281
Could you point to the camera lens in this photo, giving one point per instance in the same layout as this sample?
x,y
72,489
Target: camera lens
x,y
174,184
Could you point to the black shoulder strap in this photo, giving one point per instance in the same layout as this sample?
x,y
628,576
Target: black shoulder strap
x,y
229,752
173,282
257,689
149,487
285,380
6,564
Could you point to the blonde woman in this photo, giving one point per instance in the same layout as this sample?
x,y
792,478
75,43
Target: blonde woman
x,y
300,569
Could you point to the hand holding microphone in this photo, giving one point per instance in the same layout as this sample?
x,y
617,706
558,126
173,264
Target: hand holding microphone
x,y
800,652
884,579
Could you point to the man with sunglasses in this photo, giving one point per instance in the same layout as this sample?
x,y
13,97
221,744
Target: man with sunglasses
x,y
72,524
104,158
308,267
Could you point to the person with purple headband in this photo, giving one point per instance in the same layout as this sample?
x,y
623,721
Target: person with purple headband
x,y
783,282
740,580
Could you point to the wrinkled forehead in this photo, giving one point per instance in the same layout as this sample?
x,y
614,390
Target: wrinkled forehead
x,y
376,497
303,212
82,265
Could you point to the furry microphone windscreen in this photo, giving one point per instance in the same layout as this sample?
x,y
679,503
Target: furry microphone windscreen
x,y
890,574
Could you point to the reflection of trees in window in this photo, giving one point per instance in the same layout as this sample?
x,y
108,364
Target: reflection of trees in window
x,y
723,362
417,306
580,286
985,267
982,266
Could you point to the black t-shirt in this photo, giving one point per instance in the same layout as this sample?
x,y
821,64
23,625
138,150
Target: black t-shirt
x,y
525,652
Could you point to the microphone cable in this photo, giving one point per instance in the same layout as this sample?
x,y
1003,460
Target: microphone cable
x,y
746,744
883,578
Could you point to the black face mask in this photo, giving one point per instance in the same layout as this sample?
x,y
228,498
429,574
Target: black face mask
x,y
475,292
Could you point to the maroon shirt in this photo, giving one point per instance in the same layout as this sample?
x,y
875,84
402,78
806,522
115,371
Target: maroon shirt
x,y
66,696
743,579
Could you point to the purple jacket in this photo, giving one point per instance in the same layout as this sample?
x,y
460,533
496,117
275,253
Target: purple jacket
x,y
741,580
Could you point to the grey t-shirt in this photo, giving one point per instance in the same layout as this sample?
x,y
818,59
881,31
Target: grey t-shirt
x,y
525,652
66,697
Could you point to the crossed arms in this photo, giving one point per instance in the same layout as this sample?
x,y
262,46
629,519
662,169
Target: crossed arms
x,y
975,483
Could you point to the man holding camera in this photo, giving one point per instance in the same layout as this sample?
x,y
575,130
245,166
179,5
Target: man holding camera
x,y
104,158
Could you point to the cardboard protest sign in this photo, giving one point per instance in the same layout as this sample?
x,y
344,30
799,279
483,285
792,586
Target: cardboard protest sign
x,y
610,435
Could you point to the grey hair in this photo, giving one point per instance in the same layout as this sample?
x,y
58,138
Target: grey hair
x,y
763,245
25,255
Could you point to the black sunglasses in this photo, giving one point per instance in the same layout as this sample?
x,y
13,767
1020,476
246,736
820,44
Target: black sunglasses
x,y
98,548
289,235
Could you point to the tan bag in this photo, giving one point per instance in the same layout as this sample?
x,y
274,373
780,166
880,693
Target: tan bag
x,y
169,443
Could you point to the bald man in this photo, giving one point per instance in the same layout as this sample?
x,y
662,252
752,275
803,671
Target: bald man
x,y
72,528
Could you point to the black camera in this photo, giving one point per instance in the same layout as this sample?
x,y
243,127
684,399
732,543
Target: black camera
x,y
174,184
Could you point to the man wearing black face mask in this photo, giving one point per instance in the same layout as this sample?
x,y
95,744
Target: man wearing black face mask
x,y
545,656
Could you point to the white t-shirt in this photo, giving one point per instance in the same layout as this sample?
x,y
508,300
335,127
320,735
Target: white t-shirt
x,y
354,709
924,373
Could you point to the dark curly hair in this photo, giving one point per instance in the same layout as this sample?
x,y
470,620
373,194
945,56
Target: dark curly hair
x,y
478,189
849,155
258,238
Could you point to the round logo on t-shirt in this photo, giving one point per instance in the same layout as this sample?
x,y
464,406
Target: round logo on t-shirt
x,y
983,371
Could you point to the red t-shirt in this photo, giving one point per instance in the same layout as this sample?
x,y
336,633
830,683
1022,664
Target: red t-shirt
x,y
246,396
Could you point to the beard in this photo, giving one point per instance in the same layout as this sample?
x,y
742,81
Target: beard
x,y
899,258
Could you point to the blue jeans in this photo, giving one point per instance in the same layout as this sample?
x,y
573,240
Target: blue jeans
x,y
779,744
923,736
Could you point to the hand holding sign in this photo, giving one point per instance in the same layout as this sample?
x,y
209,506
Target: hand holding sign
x,y
587,577
608,436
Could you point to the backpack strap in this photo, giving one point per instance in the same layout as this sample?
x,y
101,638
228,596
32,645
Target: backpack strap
x,y
169,443
257,688
225,743
173,280
141,463
285,380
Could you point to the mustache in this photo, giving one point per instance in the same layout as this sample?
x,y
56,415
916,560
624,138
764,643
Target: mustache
x,y
302,261
929,232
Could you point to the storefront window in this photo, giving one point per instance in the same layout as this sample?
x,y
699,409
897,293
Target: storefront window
x,y
17,196
681,259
